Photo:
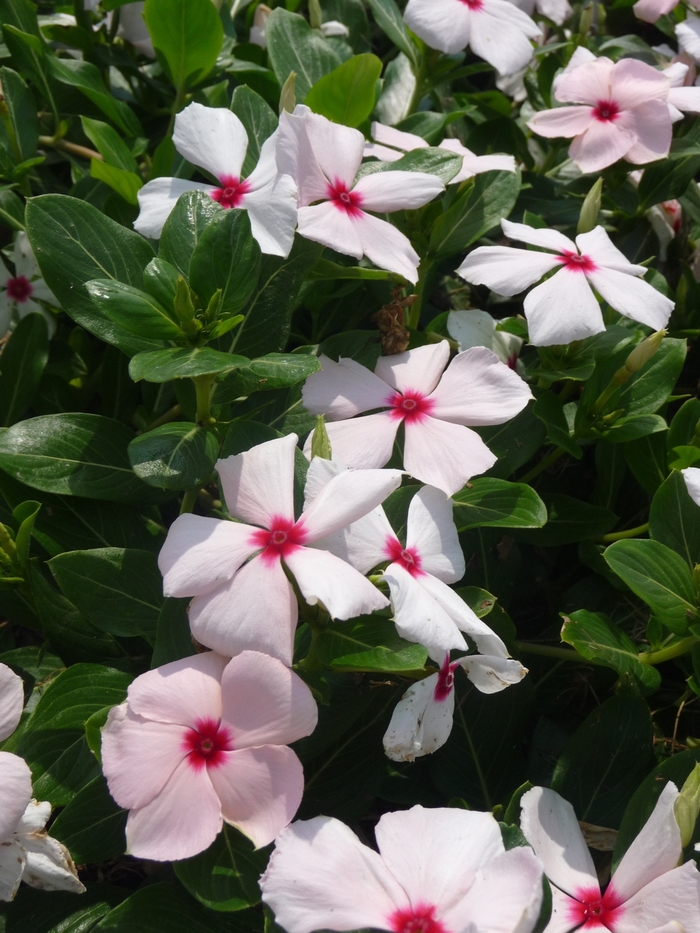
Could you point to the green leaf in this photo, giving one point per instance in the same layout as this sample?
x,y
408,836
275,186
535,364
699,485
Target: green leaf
x,y
227,257
184,227
389,19
347,94
92,825
160,280
21,112
73,455
474,214
187,37
21,367
182,363
259,121
126,184
173,636
163,907
650,388
134,310
28,52
174,456
292,45
11,209
495,503
570,520
634,427
434,161
87,78
667,180
370,643
36,911
75,243
109,144
660,577
515,442
550,410
598,639
674,519
118,590
646,458
225,877
53,743
272,371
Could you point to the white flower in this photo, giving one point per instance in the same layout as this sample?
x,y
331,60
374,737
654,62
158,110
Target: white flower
x,y
691,475
215,140
478,329
11,701
21,292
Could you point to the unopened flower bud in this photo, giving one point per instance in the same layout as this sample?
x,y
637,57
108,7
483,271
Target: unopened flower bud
x,y
687,806
184,308
315,16
643,352
320,442
588,217
288,95
257,30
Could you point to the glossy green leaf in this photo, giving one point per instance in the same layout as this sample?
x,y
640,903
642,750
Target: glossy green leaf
x,y
173,635
370,643
134,310
187,37
109,144
259,121
674,519
495,503
92,825
21,366
163,907
570,520
293,46
272,371
183,363
36,911
21,113
550,410
184,227
174,456
347,94
126,184
434,161
86,78
667,179
389,19
227,257
514,442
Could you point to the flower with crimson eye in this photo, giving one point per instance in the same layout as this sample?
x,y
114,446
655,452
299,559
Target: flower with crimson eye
x,y
202,741
21,293
215,140
564,308
434,407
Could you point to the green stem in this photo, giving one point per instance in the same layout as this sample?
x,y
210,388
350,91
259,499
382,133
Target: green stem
x,y
543,464
170,415
63,144
415,311
202,386
673,651
177,107
189,499
7,544
566,654
630,533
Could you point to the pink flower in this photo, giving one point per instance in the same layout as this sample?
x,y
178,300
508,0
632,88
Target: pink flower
x,y
434,407
620,112
11,701
564,308
21,293
323,158
650,10
243,599
437,871
646,890
215,140
495,30
202,741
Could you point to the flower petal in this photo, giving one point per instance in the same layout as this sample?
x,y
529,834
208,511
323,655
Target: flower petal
x,y
506,270
338,149
181,690
256,611
633,83
258,484
157,198
346,498
49,865
688,35
601,145
264,702
478,389
321,876
417,616
385,192
445,455
273,215
442,24
651,123
201,553
416,370
343,389
390,136
691,475
499,34
563,309
598,245
471,328
362,443
632,297
327,579
431,530
651,10
491,675
561,121
11,701
330,225
212,138
35,817
12,861
550,826
563,908
419,725
587,83
463,617
260,790
686,99
675,895
386,246
15,792
296,157
534,236
265,172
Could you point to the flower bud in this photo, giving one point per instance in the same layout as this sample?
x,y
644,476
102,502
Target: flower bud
x,y
184,308
320,442
644,351
588,217
315,16
687,806
288,95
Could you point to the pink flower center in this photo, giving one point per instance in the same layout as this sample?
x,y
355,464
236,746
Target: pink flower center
x,y
409,558
595,912
19,289
419,919
232,191
576,263
606,111
206,743
474,5
410,406
345,200
446,681
281,539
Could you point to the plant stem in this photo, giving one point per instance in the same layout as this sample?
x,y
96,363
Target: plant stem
x,y
73,148
202,385
414,313
177,106
170,415
673,651
566,654
543,464
189,499
630,533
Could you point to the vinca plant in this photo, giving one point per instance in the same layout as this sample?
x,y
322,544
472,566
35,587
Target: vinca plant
x,y
349,466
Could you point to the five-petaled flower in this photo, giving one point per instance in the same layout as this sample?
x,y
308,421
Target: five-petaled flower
x,y
437,871
202,741
21,293
564,308
323,158
242,597
215,140
647,889
435,408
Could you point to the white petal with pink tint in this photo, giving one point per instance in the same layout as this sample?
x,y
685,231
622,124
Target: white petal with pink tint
x,y
212,138
445,455
442,24
632,297
463,617
258,484
13,859
534,236
390,136
563,309
587,83
506,270
338,149
431,531
327,579
686,99
416,370
256,611
169,693
327,224
48,864
417,615
273,215
397,191
651,123
264,702
346,498
295,157
473,164
260,790
343,390
362,544
157,199
651,10
492,675
688,35
633,83
601,145
364,443
201,553
561,121
598,245
500,34
691,475
11,701
419,725
386,246
673,895
15,792
563,907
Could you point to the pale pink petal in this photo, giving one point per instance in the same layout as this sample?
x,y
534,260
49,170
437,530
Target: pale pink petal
x,y
550,826
212,138
15,792
362,544
672,927
462,616
327,579
383,153
201,553
139,756
491,675
332,226
556,10
473,164
256,611
445,455
500,34
561,121
548,239
364,443
13,858
656,850
345,499
633,82
686,99
386,246
651,10
157,198
419,725
688,35
295,157
181,690
632,297
601,145
563,908
563,309
264,702
397,191
442,24
418,617
599,247
505,270
676,73
651,123
587,83
183,820
265,172
675,895
431,531
343,389
260,790
389,136
258,484
691,475
273,215
416,370
478,389
435,854
338,149
320,876
11,701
